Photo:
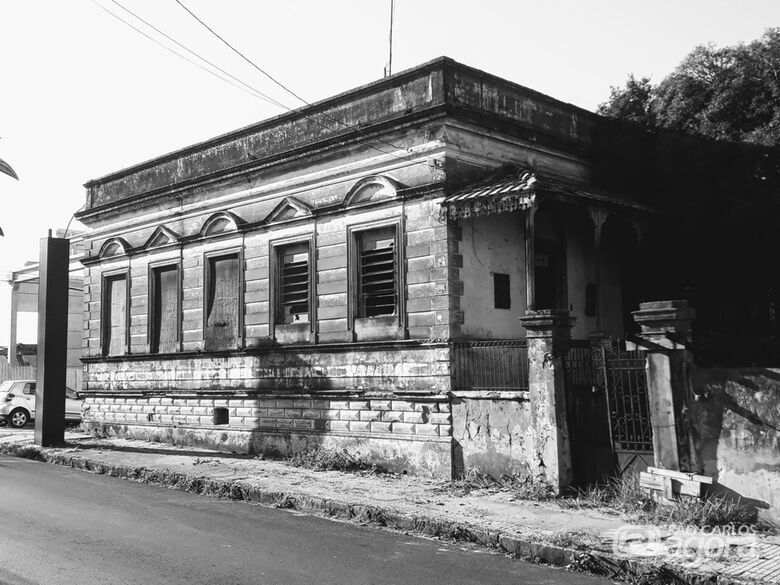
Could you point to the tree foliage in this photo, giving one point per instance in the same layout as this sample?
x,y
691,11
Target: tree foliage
x,y
730,93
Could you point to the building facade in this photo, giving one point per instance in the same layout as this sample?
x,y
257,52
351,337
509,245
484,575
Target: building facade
x,y
335,276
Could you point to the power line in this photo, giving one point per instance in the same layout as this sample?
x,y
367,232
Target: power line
x,y
191,52
198,65
240,54
284,87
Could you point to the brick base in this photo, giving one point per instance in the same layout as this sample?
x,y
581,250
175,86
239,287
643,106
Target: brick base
x,y
402,434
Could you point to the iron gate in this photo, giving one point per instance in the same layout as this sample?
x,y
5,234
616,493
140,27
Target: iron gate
x,y
624,380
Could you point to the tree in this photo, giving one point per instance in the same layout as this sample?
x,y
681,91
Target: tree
x,y
630,103
730,93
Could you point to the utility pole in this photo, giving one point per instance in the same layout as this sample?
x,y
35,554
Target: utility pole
x,y
389,66
52,341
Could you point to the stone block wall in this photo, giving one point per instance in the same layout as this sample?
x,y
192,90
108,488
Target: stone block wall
x,y
403,434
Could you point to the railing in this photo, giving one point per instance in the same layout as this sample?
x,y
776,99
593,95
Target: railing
x,y
490,365
581,365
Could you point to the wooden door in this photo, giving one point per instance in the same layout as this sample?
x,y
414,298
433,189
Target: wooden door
x,y
222,307
165,327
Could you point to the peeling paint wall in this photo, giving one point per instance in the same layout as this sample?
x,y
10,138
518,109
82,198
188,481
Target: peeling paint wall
x,y
491,435
736,418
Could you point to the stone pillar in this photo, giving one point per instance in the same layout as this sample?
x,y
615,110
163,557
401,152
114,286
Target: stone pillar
x,y
548,334
665,335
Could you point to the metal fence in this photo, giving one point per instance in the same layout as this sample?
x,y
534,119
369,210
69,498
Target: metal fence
x,y
490,365
73,376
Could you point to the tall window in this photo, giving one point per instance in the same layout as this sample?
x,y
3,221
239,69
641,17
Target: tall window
x,y
222,305
377,272
292,305
114,314
164,309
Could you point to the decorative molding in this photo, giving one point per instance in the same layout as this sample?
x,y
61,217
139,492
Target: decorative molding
x,y
374,188
220,223
113,247
162,236
287,209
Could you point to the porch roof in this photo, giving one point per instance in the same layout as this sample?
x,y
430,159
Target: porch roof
x,y
517,191
497,196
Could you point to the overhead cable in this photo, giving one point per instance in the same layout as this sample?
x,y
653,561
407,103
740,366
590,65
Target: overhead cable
x,y
198,65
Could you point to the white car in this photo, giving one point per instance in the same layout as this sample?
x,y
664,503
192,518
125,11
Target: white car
x,y
17,403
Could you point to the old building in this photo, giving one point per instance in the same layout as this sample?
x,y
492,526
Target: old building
x,y
363,273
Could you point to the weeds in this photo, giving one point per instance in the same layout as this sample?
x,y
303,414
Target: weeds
x,y
285,502
624,495
523,488
571,540
321,459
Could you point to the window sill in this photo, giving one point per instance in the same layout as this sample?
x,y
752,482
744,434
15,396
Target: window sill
x,y
293,333
377,328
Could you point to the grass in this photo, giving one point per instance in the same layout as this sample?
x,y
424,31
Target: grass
x,y
621,495
522,487
323,459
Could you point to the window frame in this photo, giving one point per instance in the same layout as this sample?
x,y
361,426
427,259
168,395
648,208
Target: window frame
x,y
353,262
208,256
275,248
105,340
151,306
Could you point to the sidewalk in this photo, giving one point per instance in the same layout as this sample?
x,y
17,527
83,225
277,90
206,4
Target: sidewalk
x,y
539,531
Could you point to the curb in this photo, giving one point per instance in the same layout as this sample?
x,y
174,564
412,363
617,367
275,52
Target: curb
x,y
594,562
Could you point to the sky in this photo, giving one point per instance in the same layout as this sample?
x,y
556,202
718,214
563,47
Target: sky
x,y
83,94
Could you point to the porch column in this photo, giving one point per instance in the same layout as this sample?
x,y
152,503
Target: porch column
x,y
665,335
530,260
548,335
599,217
13,323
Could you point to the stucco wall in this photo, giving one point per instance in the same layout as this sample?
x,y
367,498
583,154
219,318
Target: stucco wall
x,y
737,424
493,244
491,434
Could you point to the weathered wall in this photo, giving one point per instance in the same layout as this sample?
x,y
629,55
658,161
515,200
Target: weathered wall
x,y
403,434
491,433
737,426
493,244
375,367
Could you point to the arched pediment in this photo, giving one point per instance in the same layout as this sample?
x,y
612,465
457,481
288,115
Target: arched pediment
x,y
114,247
288,208
375,188
220,223
162,236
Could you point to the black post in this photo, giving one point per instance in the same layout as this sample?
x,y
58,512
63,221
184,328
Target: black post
x,y
52,341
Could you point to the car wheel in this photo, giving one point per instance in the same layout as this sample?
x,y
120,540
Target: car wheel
x,y
18,418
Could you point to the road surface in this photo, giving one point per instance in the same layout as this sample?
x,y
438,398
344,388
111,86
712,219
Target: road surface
x,y
60,526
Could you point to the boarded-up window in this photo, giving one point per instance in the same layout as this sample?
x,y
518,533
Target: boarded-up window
x,y
293,296
164,309
115,315
377,278
222,289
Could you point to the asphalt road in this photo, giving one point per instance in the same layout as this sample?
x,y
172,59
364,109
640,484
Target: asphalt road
x,y
61,526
